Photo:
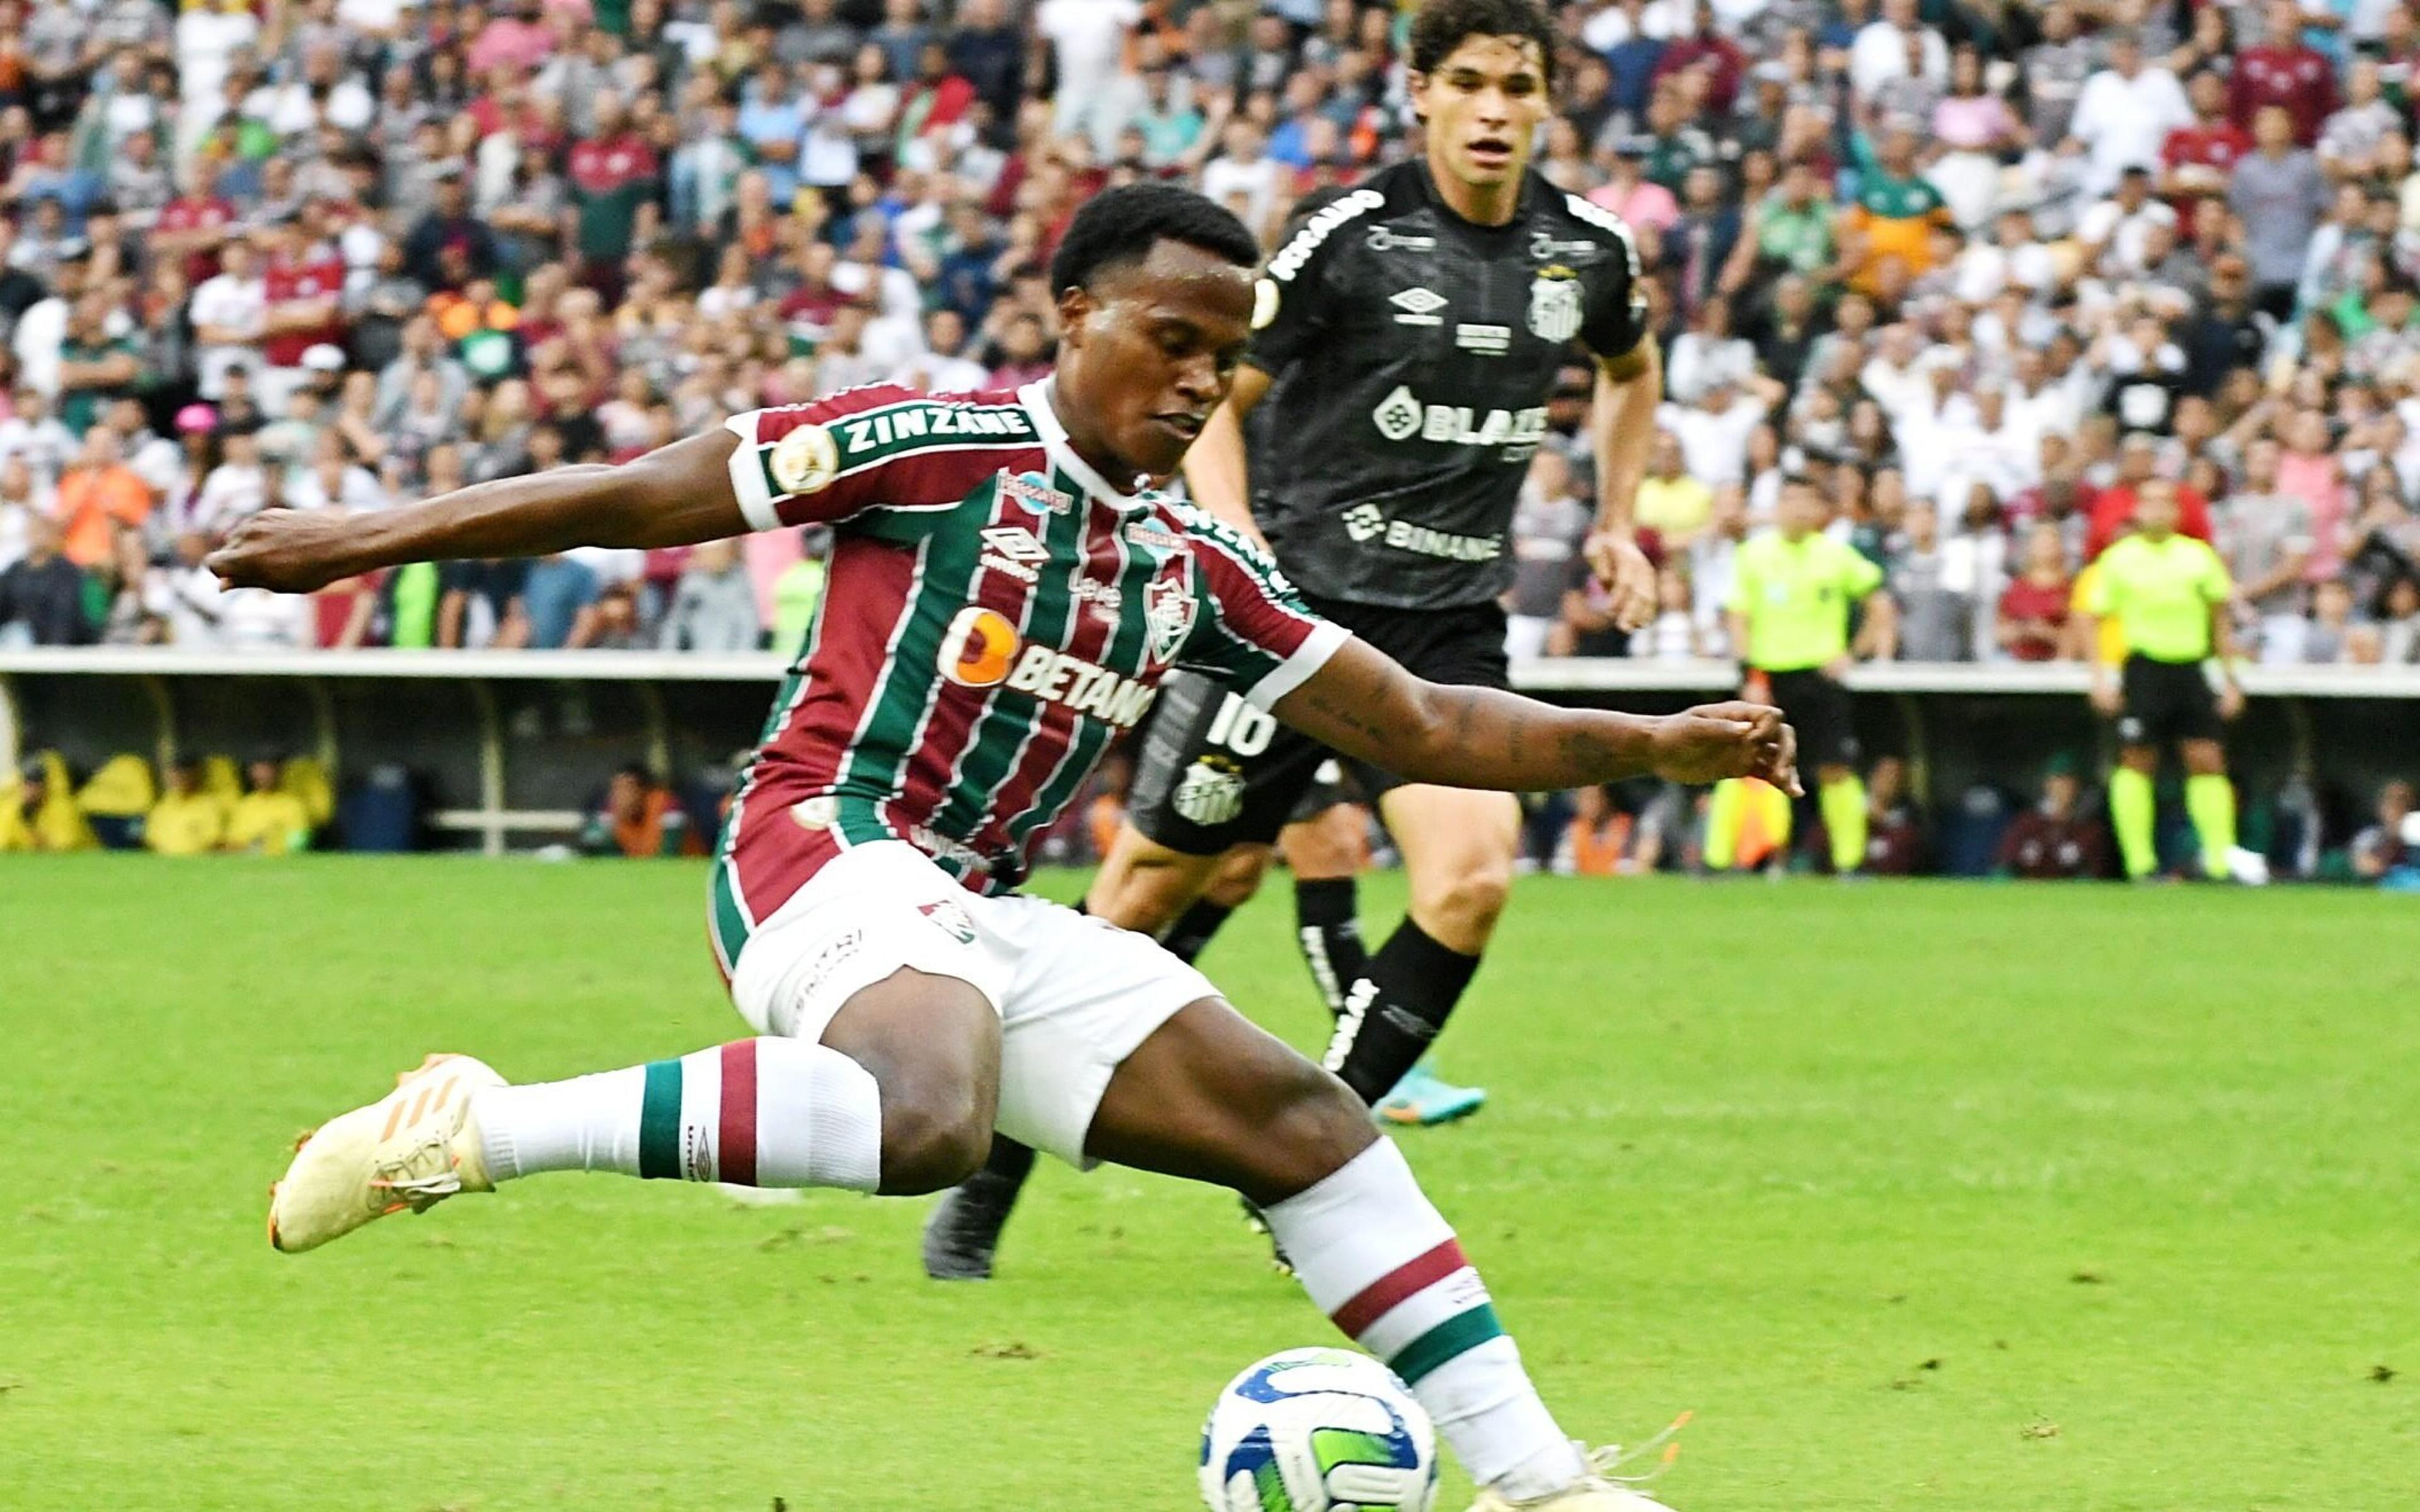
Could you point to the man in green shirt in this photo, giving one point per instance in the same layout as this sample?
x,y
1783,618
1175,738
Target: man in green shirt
x,y
2168,594
1790,592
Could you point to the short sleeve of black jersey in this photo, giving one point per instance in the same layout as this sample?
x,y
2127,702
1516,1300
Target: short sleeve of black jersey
x,y
1615,315
1291,306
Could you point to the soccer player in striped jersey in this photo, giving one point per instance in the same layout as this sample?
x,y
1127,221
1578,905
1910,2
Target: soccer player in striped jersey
x,y
1004,601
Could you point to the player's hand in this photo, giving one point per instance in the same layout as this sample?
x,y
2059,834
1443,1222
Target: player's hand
x,y
288,550
1628,577
2230,700
1716,741
2106,698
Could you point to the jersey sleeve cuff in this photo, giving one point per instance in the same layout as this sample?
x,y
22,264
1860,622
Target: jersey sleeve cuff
x,y
747,477
1326,639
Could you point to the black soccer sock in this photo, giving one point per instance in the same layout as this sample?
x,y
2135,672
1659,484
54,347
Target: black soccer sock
x,y
1190,934
1009,1163
1327,926
1395,1010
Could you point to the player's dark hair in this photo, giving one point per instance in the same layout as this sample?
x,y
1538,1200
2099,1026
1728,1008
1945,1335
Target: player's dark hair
x,y
1443,25
1123,224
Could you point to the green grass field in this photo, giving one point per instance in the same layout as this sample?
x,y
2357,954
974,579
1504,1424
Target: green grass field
x,y
1920,1197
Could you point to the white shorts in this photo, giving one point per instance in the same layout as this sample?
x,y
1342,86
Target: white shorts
x,y
1075,995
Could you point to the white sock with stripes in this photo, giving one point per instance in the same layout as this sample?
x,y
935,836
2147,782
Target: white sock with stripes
x,y
767,1112
1383,1264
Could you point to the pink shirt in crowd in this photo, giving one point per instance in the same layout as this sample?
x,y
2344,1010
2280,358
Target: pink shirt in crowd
x,y
2311,477
1648,205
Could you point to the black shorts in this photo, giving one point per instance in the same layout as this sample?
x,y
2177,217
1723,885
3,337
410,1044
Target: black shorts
x,y
1822,711
1214,772
2166,702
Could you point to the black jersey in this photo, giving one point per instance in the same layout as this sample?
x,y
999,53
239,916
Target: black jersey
x,y
1413,353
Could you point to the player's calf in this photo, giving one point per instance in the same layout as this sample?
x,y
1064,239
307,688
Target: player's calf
x,y
1212,1097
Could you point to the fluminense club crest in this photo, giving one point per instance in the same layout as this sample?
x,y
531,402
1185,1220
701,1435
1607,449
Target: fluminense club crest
x,y
1168,613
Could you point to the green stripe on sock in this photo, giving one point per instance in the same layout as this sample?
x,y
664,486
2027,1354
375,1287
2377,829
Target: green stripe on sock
x,y
660,1122
1458,1334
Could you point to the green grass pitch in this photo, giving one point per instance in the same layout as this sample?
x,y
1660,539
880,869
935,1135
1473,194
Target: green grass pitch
x,y
1975,1198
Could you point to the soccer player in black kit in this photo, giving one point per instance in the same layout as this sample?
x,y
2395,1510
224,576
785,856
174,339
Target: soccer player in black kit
x,y
1407,337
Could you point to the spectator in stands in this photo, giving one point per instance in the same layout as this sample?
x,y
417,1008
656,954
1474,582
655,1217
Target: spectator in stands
x,y
714,607
267,820
38,813
1895,828
1596,844
2279,193
1934,616
2031,624
42,595
186,821
1549,526
1674,634
2391,842
638,817
2055,840
99,496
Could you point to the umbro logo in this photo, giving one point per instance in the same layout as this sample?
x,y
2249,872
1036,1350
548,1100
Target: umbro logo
x,y
1015,543
1012,551
1419,307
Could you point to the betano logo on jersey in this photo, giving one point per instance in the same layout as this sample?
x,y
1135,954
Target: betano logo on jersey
x,y
982,649
1401,416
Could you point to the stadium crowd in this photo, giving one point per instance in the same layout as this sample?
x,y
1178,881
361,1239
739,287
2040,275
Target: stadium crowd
x,y
1982,267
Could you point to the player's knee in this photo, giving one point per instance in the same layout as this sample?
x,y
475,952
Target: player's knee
x,y
1146,891
1311,1125
934,1136
2204,758
1327,847
1460,908
1239,877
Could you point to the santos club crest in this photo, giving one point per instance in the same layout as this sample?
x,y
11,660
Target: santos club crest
x,y
1555,303
1168,611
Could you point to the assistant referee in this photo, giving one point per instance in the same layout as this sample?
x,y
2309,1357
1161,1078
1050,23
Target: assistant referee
x,y
2168,594
1792,589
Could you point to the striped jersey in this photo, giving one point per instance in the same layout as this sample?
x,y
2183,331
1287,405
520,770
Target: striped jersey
x,y
996,614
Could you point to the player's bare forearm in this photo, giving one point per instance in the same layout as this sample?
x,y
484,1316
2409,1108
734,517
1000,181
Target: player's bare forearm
x,y
1365,705
1622,423
1215,472
677,495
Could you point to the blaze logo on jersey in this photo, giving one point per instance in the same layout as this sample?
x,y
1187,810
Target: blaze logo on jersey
x,y
1167,612
1401,416
978,648
804,461
1555,303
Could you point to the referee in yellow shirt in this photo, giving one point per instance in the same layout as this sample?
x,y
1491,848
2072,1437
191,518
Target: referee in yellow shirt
x,y
2168,594
1792,589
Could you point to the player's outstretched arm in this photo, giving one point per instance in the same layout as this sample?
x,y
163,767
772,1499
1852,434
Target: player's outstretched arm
x,y
1365,705
678,495
1214,470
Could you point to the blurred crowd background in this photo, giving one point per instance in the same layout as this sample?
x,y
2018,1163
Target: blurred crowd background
x,y
1983,265
1979,266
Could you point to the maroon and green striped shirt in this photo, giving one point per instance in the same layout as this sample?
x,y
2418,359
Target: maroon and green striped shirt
x,y
997,613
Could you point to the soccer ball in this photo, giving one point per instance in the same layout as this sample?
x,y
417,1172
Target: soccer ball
x,y
1318,1430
